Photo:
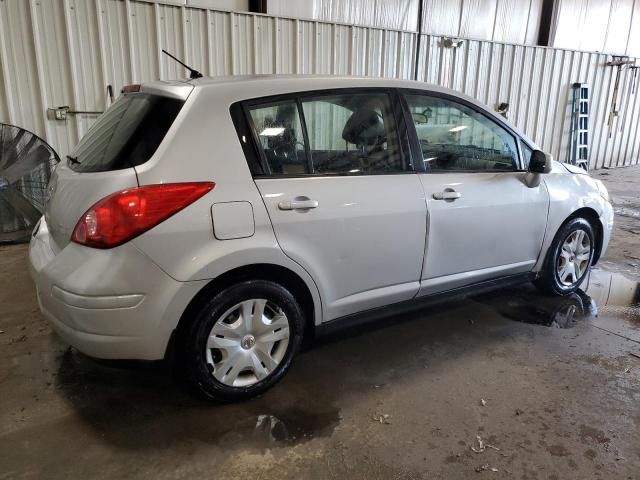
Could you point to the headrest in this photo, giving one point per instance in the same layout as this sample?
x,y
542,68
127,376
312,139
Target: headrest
x,y
364,127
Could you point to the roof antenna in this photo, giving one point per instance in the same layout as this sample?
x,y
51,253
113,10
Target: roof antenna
x,y
193,72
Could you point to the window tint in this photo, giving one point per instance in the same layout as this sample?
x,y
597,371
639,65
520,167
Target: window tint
x,y
352,133
279,132
455,137
127,134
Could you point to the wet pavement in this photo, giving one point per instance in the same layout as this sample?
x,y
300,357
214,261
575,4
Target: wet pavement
x,y
623,254
510,384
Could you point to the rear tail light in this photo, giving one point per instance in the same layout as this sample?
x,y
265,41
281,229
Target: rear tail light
x,y
124,215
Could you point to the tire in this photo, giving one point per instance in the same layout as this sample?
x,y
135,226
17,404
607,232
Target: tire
x,y
239,359
554,277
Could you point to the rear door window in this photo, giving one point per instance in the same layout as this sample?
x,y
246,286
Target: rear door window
x,y
332,134
127,134
353,134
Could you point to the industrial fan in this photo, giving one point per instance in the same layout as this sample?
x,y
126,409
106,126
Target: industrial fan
x,y
26,164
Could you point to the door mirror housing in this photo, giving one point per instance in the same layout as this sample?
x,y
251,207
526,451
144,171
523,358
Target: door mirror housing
x,y
540,162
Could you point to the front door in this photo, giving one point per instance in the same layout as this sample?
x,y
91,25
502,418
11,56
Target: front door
x,y
484,221
342,197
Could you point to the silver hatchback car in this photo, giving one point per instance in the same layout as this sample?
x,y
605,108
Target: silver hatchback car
x,y
225,219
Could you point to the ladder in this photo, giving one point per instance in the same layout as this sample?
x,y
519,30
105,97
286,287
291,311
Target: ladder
x,y
579,132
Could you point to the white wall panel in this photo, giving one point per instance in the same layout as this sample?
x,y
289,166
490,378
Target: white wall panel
x,y
194,24
172,39
441,17
4,107
291,8
324,45
477,19
219,47
374,52
144,40
633,43
264,44
618,26
65,52
19,69
237,5
392,14
513,21
517,22
243,44
597,25
53,59
115,41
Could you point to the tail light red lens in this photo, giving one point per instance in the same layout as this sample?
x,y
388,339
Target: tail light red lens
x,y
124,215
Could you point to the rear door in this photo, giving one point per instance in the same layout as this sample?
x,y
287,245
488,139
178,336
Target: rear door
x,y
484,220
104,161
342,195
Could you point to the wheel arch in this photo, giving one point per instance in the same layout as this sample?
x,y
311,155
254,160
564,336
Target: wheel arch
x,y
259,271
591,216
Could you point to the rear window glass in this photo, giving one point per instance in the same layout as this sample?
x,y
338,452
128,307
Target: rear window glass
x,y
127,134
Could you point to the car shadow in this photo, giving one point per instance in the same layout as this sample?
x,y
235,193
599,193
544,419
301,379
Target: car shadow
x,y
141,405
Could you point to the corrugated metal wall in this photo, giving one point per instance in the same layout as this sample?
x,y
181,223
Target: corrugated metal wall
x,y
536,82
65,52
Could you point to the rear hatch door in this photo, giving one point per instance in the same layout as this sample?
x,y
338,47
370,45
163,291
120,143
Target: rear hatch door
x,y
104,161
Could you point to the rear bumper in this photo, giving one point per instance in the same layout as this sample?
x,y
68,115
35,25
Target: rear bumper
x,y
112,304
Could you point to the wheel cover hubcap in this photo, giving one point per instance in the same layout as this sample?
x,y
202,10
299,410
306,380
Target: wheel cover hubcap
x,y
573,258
247,342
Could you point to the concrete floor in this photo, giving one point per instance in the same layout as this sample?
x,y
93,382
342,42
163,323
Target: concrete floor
x,y
406,398
623,254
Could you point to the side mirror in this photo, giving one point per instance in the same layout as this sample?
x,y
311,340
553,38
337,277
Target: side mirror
x,y
540,162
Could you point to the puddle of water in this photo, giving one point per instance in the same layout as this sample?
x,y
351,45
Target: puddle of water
x,y
626,212
291,427
615,294
604,293
525,304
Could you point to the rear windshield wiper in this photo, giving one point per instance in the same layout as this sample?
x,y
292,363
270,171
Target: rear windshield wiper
x,y
73,160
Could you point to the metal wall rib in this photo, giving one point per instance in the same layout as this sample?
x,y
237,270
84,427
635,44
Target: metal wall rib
x,y
65,52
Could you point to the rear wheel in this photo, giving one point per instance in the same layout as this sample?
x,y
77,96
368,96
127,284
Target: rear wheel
x,y
243,341
569,258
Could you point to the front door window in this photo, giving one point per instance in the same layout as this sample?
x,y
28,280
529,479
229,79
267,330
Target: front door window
x,y
453,137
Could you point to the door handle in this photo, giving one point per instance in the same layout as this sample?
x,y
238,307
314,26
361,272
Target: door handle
x,y
447,195
298,204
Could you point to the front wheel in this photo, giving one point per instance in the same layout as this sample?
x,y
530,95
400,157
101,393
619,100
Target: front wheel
x,y
243,341
569,258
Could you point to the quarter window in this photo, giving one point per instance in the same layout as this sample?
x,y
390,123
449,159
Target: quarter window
x,y
455,137
279,131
